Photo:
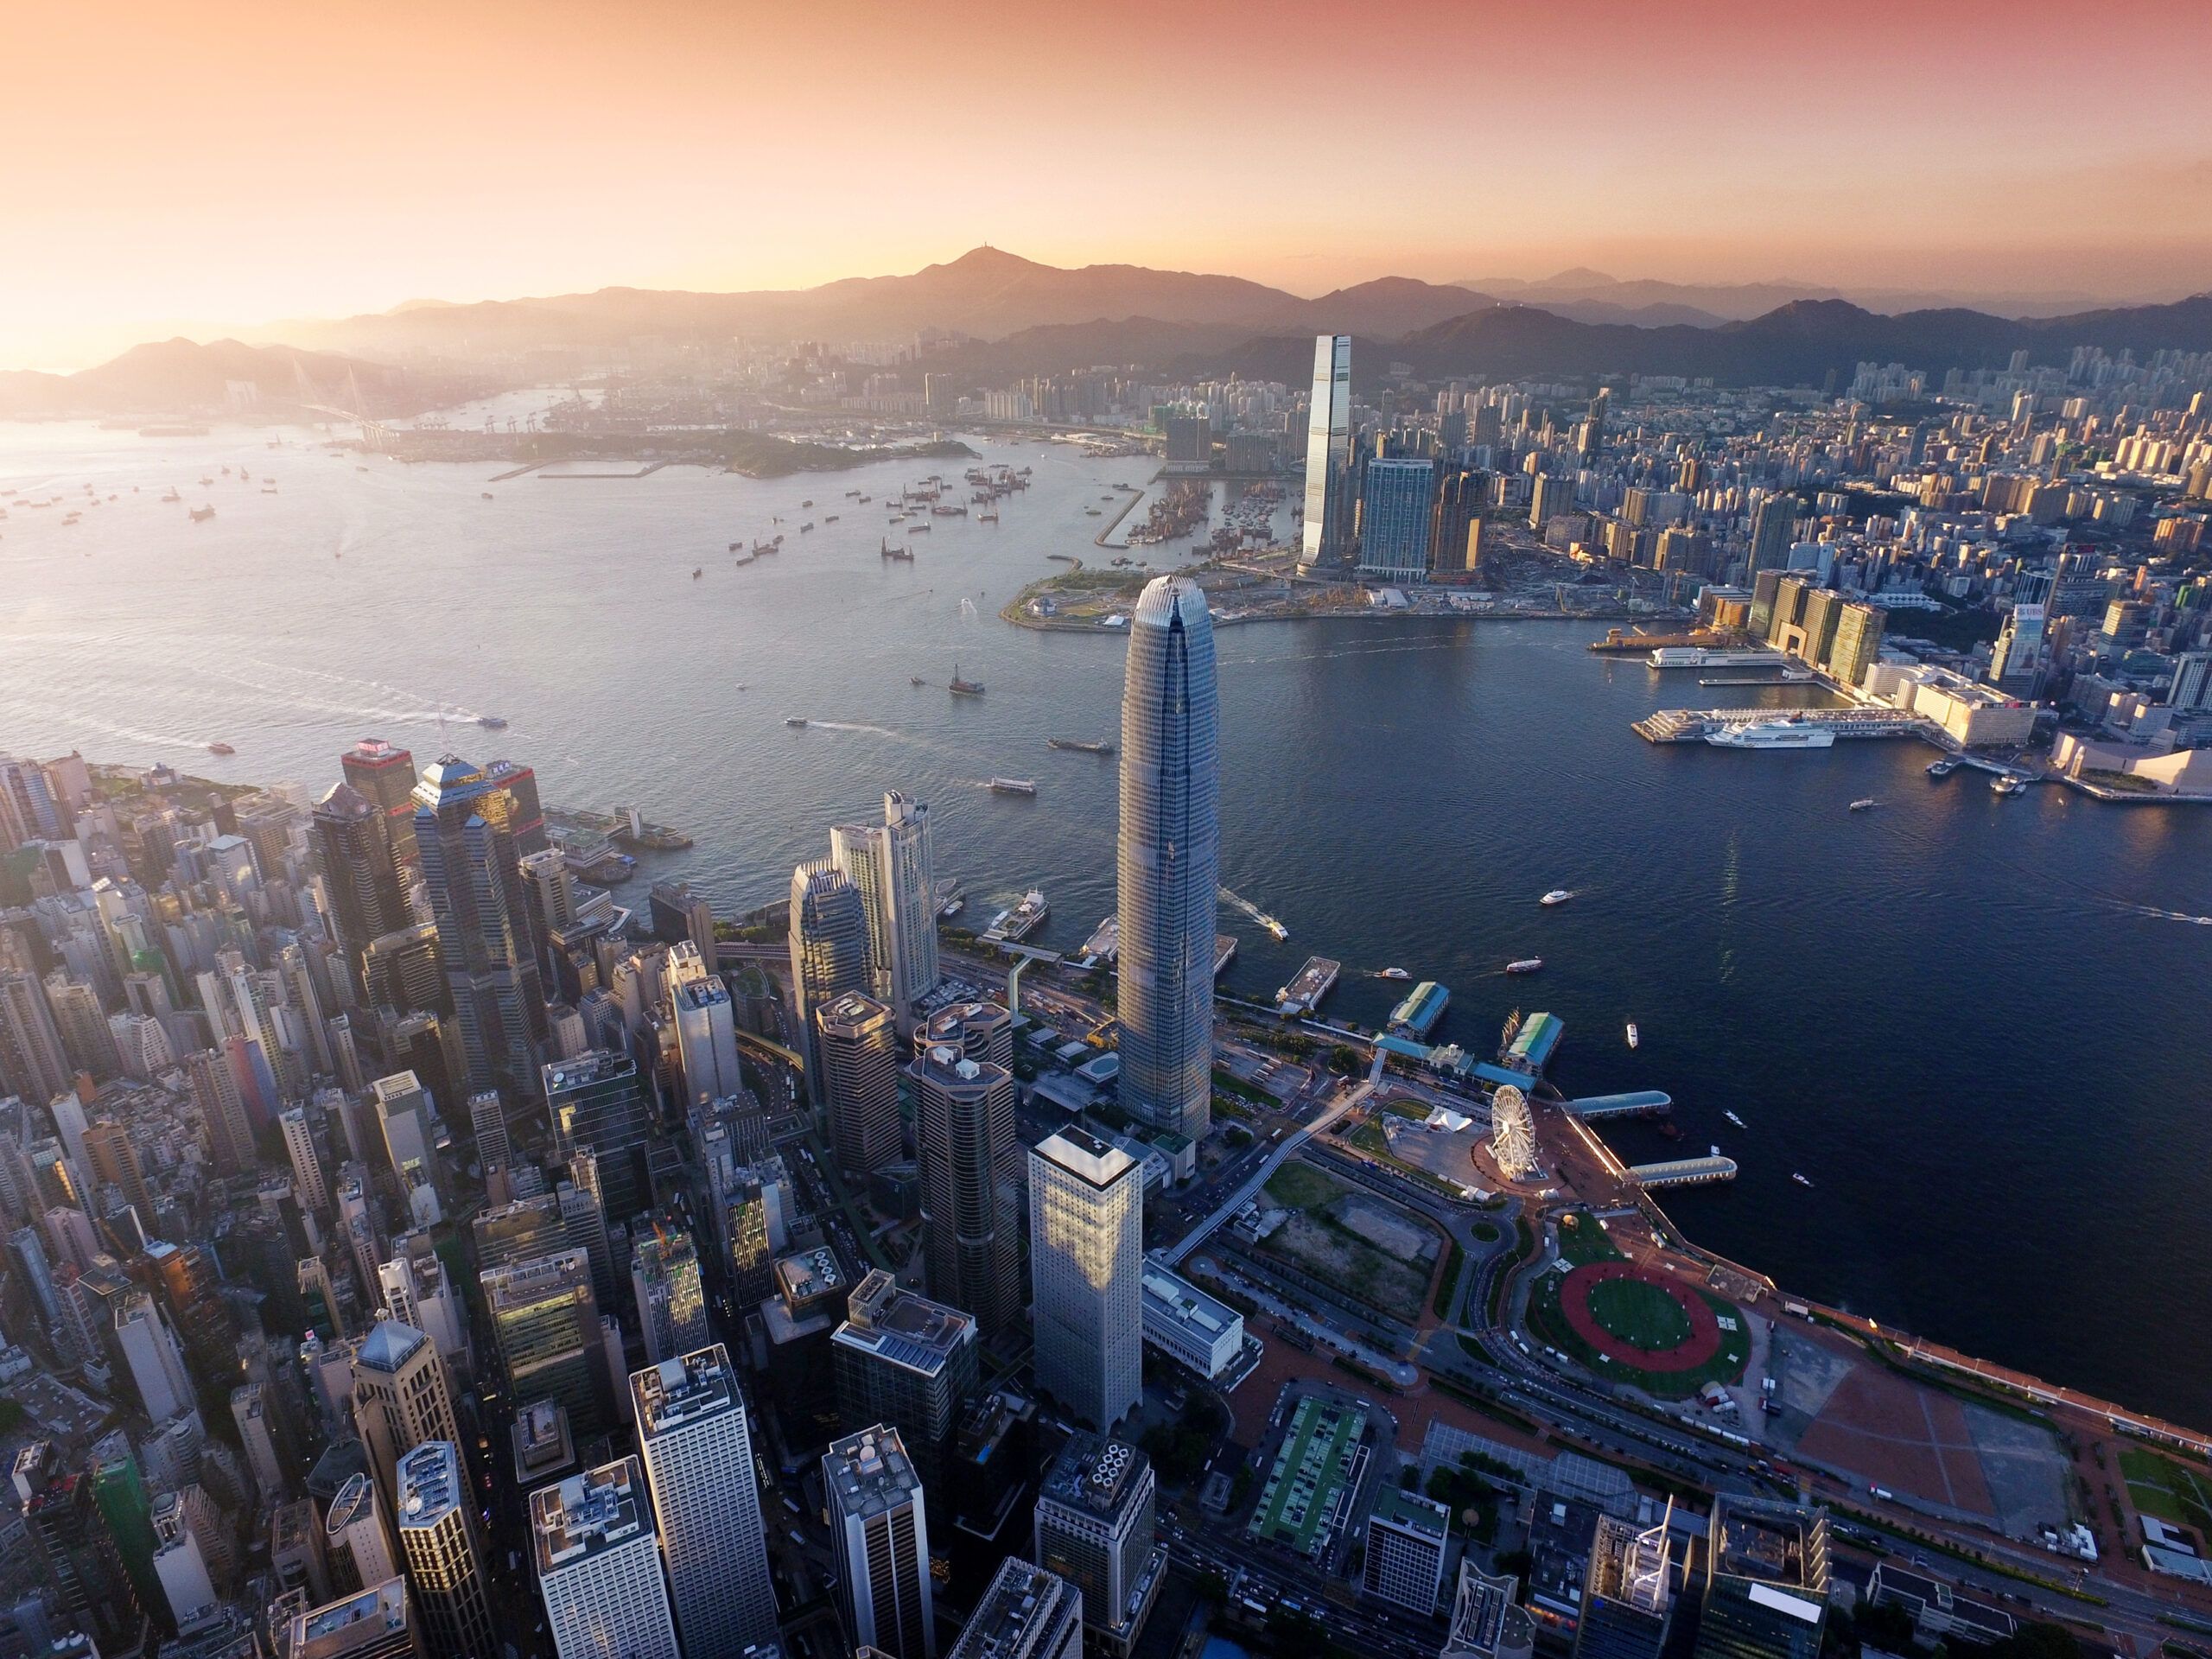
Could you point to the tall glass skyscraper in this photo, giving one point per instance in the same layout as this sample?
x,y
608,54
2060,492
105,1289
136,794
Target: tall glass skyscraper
x,y
1328,455
1395,503
1169,857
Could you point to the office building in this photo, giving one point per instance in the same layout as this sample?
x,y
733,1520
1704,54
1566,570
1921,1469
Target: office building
x,y
1550,496
1766,1580
858,1041
706,1040
376,1623
1027,1613
357,1547
1627,1597
156,1358
1086,1260
486,938
1857,637
408,1119
1326,534
256,1439
401,1398
1774,529
899,1358
351,838
1168,855
599,1566
1455,542
180,1565
1407,1538
1095,1529
445,1560
32,1063
545,1325
892,866
1487,1619
78,1550
970,1171
2015,660
384,775
598,1100
1396,504
694,1437
879,1526
664,1282
827,937
1192,1328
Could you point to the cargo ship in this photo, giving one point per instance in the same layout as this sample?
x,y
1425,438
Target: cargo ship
x,y
961,687
1079,744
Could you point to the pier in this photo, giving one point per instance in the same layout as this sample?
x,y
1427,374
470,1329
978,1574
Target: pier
x,y
1643,1103
1684,1172
1303,993
1691,725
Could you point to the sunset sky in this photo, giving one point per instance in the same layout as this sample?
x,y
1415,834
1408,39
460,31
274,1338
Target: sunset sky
x,y
186,168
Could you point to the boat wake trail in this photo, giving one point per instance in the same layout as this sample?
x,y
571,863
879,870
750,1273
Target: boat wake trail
x,y
855,726
2157,914
1255,913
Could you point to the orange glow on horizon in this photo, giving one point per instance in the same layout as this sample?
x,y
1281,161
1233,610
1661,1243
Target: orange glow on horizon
x,y
204,168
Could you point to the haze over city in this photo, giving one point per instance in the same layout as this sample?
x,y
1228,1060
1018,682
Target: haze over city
x,y
211,168
1482,935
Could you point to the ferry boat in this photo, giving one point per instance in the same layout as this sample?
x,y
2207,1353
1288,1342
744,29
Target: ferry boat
x,y
794,719
1733,1118
1865,803
1633,1040
961,687
1018,924
1942,768
829,518
1013,786
1556,896
2006,784
491,722
1079,744
220,748
1392,973
1526,965
1772,734
1799,1180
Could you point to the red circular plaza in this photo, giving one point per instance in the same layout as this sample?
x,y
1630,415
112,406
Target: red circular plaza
x,y
1694,1351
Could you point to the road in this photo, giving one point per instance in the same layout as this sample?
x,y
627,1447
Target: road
x,y
1174,1254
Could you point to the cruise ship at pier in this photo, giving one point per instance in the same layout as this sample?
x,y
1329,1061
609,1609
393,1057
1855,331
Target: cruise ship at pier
x,y
1772,734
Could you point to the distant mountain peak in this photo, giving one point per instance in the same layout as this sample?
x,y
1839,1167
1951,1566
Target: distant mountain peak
x,y
1580,276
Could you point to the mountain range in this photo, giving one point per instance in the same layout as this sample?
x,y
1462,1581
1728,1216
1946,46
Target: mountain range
x,y
1002,316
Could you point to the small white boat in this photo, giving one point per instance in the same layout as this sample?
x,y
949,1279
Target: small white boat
x,y
1556,896
1526,965
1632,1038
1392,973
1866,804
1799,1180
1733,1118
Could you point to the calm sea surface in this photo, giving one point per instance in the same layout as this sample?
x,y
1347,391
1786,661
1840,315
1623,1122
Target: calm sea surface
x,y
1980,1027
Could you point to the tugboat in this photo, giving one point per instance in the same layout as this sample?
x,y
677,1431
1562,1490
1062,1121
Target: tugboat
x,y
696,573
916,679
961,687
491,722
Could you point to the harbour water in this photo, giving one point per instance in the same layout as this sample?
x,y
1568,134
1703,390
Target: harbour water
x,y
1979,1027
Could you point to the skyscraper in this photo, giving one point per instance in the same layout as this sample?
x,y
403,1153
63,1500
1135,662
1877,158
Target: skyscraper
x,y
352,840
891,865
706,1040
384,775
401,1398
1396,511
546,1326
1627,1594
376,1623
1774,524
1859,636
486,935
445,1561
901,1358
671,1305
963,1127
1327,531
858,1043
1407,1538
1027,1613
878,1525
1766,1580
1169,851
696,1442
598,1100
357,1548
1086,1265
599,1566
829,947
1095,1528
